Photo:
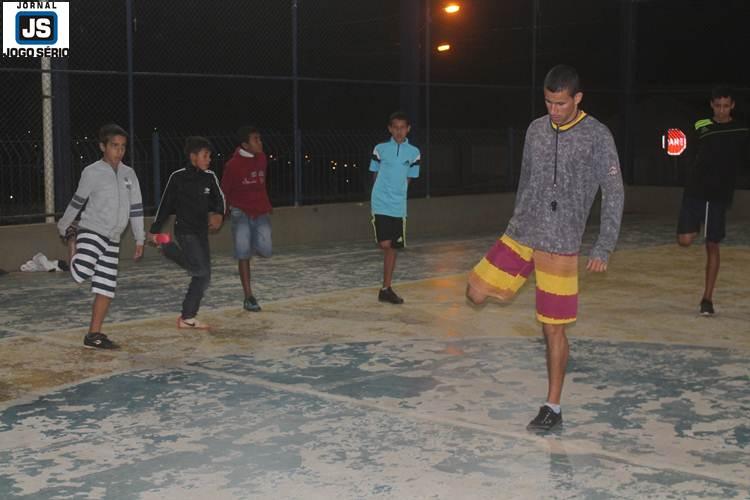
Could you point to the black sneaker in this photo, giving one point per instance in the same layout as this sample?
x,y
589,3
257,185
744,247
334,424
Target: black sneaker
x,y
98,341
546,420
707,308
388,295
251,304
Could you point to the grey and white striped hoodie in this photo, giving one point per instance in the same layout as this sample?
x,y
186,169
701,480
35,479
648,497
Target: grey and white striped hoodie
x,y
112,198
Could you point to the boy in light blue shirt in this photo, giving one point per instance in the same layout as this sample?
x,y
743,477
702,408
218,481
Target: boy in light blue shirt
x,y
394,164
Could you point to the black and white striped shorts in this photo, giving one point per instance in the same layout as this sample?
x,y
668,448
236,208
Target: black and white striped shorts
x,y
96,258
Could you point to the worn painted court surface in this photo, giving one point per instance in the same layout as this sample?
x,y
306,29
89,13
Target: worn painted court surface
x,y
329,394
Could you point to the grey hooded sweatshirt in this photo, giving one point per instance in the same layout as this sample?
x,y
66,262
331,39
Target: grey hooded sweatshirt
x,y
112,198
561,171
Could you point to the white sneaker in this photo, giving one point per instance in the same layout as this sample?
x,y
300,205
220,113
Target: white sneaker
x,y
191,324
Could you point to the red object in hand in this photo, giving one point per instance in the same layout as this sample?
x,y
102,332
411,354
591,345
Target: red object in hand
x,y
163,238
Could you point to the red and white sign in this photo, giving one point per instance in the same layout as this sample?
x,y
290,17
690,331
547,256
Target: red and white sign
x,y
675,142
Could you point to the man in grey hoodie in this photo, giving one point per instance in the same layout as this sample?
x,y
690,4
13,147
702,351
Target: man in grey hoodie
x,y
108,197
567,157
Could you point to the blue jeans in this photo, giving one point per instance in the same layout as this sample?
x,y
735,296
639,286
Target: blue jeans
x,y
252,236
191,252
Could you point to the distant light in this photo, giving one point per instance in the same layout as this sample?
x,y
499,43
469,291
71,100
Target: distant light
x,y
11,197
444,47
452,8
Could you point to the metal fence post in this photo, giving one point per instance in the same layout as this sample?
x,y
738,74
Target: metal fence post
x,y
628,77
295,126
534,29
49,167
156,166
131,105
427,54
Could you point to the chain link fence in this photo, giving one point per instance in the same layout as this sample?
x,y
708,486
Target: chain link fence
x,y
320,77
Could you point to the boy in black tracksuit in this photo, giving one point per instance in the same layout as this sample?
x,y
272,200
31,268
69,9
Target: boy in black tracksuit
x,y
722,149
192,193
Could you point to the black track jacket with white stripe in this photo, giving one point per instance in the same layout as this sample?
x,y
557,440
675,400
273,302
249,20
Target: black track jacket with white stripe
x,y
191,194
720,151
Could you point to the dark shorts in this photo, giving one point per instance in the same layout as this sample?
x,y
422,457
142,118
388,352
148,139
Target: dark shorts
x,y
712,215
391,229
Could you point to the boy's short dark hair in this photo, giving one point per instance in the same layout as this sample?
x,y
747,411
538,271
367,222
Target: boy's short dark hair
x,y
109,131
722,91
398,115
195,143
243,134
563,77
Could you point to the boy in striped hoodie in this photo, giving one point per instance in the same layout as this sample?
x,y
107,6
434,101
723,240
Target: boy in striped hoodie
x,y
108,197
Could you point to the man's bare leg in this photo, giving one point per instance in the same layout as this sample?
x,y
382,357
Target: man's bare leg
x,y
557,360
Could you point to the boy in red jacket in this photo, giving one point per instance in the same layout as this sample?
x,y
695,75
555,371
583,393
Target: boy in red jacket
x,y
244,185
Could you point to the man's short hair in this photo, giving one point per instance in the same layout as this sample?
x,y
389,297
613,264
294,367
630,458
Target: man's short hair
x,y
109,131
195,143
243,134
563,77
722,91
398,115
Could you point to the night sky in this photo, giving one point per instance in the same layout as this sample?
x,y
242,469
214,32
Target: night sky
x,y
684,45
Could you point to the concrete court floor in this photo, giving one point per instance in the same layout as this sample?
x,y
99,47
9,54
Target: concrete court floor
x,y
329,394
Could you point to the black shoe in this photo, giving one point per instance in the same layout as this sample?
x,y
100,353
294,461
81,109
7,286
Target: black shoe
x,y
98,341
546,420
388,295
707,308
251,304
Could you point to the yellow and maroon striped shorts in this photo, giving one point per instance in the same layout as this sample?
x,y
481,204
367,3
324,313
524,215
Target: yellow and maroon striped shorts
x,y
507,266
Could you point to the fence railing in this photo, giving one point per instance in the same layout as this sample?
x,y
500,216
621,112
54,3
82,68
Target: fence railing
x,y
320,79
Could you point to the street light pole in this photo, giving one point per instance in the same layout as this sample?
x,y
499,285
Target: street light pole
x,y
427,52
